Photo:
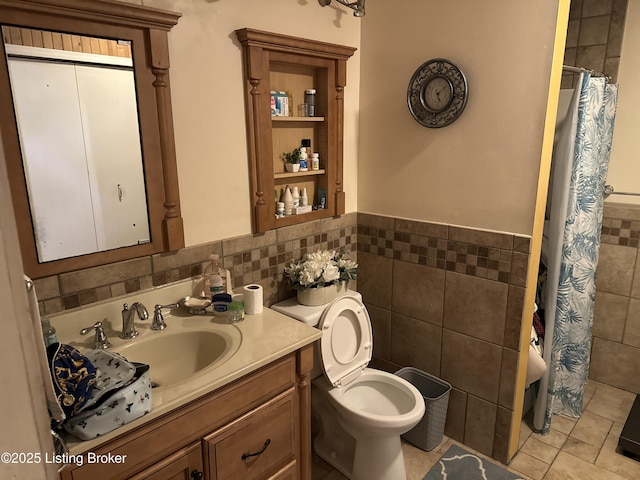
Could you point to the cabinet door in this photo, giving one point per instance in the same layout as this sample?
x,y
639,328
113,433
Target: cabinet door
x,y
256,445
185,464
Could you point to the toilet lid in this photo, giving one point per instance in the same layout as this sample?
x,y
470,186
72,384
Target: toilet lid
x,y
347,342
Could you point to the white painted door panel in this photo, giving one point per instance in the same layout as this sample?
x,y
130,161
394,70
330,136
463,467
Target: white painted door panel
x,y
110,121
49,122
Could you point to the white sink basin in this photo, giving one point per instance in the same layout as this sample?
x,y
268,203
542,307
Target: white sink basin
x,y
177,356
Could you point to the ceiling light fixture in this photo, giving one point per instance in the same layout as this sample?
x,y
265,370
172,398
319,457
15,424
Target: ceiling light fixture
x,y
357,7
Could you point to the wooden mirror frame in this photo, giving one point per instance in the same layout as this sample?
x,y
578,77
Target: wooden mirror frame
x,y
147,30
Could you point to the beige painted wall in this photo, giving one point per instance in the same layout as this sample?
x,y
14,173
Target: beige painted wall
x,y
25,422
624,168
481,171
208,102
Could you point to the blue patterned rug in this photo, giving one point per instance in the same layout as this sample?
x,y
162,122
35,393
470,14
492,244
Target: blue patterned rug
x,y
458,464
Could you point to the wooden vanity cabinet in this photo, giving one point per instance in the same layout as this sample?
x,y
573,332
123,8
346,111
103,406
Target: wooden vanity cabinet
x,y
275,62
257,427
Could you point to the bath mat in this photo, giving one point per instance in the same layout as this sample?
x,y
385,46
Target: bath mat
x,y
458,464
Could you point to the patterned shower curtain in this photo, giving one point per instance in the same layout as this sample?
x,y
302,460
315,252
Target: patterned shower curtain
x,y
571,274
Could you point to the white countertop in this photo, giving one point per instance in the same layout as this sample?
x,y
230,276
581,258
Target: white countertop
x,y
263,338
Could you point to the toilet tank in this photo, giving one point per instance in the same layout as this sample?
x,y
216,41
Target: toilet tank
x,y
305,314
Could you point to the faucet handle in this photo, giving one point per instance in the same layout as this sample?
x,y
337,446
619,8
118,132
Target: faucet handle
x,y
158,319
101,341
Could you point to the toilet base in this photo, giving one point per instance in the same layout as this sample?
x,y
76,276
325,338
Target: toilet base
x,y
332,443
387,451
339,458
353,459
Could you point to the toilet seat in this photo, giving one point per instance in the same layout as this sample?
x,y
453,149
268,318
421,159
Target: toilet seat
x,y
346,345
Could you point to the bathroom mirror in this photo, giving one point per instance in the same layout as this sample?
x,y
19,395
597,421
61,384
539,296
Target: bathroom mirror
x,y
92,172
76,111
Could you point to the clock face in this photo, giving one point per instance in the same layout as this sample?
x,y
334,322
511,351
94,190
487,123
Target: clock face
x,y
437,93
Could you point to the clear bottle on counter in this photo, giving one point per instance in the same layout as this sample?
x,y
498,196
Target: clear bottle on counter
x,y
213,279
235,312
304,199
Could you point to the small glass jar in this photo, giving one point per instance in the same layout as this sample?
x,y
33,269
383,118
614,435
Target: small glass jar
x,y
235,312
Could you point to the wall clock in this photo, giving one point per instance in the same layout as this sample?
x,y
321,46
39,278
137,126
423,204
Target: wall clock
x,y
437,93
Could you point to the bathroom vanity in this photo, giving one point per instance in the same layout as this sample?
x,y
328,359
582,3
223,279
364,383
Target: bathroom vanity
x,y
246,415
210,435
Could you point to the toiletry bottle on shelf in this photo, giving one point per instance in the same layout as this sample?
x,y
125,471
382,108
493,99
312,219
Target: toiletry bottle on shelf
x,y
288,201
304,165
315,161
296,197
48,332
322,198
306,143
213,282
310,102
304,200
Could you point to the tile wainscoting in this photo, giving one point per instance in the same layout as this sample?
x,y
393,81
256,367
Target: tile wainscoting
x,y
445,299
259,258
615,354
448,300
594,37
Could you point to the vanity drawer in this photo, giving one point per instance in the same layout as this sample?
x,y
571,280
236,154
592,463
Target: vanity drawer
x,y
257,445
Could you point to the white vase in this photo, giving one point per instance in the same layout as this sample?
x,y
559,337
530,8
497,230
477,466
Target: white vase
x,y
292,167
321,296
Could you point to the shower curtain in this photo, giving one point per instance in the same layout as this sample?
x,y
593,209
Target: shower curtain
x,y
580,164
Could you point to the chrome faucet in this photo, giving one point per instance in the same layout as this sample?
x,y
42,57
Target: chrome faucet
x,y
128,326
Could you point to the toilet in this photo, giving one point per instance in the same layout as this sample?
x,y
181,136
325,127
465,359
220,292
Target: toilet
x,y
360,412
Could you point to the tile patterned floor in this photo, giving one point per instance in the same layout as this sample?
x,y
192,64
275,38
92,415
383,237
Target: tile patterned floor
x,y
575,449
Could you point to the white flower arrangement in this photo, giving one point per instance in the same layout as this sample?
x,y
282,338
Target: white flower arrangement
x,y
320,269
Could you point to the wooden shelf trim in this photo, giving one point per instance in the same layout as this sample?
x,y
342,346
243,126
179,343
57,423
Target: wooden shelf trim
x,y
276,41
279,118
299,174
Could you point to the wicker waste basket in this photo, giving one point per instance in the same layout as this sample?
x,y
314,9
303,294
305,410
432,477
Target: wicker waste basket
x,y
427,434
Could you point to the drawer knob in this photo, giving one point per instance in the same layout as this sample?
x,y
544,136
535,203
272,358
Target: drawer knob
x,y
196,475
264,447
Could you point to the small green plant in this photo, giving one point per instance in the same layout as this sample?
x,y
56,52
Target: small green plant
x,y
292,157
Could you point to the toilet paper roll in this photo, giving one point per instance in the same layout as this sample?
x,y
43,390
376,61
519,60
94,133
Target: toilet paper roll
x,y
253,299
